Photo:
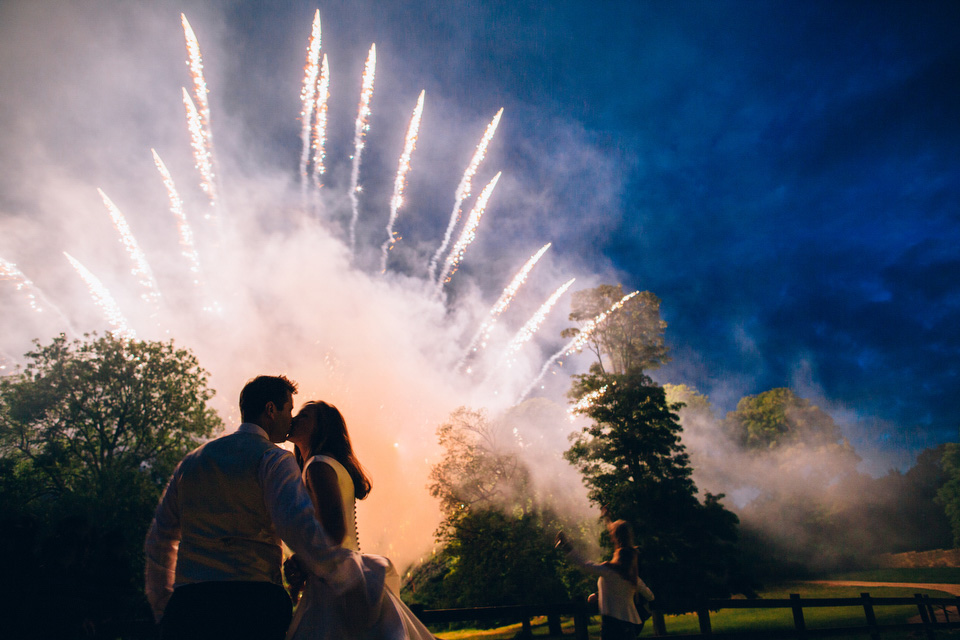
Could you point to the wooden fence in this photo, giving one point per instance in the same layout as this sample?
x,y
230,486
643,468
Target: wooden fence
x,y
927,608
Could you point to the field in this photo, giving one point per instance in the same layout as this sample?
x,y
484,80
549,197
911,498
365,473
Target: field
x,y
761,619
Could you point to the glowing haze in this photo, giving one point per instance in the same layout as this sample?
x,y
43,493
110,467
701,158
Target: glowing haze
x,y
263,283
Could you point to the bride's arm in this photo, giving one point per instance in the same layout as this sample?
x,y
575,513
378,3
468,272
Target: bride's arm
x,y
325,493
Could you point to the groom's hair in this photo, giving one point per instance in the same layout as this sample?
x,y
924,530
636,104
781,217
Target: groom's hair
x,y
261,390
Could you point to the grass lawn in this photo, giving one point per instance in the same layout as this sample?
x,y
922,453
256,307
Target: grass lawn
x,y
932,575
761,619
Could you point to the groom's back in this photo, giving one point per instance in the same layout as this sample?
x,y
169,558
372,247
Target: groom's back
x,y
226,532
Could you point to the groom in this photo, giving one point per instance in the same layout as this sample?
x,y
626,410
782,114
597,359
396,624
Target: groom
x,y
213,551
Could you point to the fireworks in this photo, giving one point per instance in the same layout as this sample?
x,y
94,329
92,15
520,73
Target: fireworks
x,y
526,332
187,246
9,271
320,122
464,189
360,131
101,295
203,159
141,268
577,343
307,98
483,333
397,200
200,91
585,402
467,235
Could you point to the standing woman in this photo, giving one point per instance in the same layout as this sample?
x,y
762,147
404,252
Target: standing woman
x,y
335,479
619,581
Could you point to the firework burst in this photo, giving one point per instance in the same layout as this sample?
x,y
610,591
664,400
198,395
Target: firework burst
x,y
530,327
360,131
103,299
308,98
464,189
320,123
396,201
141,268
467,236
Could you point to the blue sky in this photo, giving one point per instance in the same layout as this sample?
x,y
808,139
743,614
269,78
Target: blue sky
x,y
783,175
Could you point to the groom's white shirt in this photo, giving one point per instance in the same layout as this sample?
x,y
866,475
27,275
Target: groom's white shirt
x,y
290,511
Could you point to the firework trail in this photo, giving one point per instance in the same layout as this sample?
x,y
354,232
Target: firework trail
x,y
360,130
320,123
397,200
203,159
464,189
483,333
526,332
35,298
200,91
585,402
141,268
187,246
307,98
577,343
466,236
104,300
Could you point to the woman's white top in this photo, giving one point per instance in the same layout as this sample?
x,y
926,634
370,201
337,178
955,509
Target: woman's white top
x,y
614,592
350,540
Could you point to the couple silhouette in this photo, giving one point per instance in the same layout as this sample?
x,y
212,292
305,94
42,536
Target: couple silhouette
x,y
213,552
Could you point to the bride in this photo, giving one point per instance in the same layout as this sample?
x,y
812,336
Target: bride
x,y
335,478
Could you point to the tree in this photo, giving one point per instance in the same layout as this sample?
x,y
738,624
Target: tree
x,y
497,540
778,417
948,496
629,339
89,433
633,462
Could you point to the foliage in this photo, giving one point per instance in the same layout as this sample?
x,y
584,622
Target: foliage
x,y
778,417
497,540
948,495
89,433
629,339
633,462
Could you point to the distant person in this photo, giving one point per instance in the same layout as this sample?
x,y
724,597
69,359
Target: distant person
x,y
618,583
213,553
335,478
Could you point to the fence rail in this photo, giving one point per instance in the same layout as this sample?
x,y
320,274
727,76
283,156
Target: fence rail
x,y
927,606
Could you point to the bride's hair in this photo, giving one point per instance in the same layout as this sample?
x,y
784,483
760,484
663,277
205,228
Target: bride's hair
x,y
625,555
330,438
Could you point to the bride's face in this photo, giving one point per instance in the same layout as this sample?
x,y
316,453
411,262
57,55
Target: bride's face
x,y
301,428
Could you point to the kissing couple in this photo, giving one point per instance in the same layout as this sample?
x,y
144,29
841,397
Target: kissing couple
x,y
214,554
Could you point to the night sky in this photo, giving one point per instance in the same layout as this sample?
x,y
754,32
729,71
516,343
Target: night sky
x,y
783,175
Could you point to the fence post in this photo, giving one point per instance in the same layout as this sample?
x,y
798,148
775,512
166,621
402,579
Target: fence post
x,y
703,616
659,625
526,629
871,618
553,624
924,615
581,621
798,622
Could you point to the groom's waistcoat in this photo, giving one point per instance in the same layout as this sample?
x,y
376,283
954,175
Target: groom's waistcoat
x,y
225,530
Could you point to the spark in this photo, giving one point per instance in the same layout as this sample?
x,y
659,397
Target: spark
x,y
467,235
320,123
187,246
585,402
577,343
396,201
464,189
360,130
203,159
307,98
200,91
101,295
141,268
530,328
483,333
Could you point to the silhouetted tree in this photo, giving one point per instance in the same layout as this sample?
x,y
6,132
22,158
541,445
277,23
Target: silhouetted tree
x,y
89,433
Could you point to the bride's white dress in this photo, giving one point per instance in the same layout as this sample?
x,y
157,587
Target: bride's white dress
x,y
320,614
